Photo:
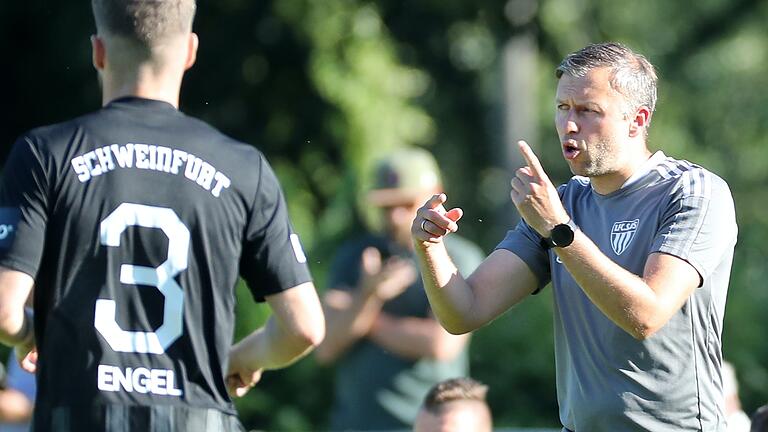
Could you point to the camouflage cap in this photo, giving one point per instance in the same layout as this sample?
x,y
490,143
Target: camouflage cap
x,y
404,176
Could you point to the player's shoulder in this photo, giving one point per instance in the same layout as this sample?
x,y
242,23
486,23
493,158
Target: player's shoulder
x,y
239,150
690,179
46,136
50,141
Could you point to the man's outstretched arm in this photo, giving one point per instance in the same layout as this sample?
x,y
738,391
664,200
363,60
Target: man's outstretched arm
x,y
296,326
463,305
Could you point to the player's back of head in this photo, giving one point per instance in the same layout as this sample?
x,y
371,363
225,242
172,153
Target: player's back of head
x,y
144,22
142,30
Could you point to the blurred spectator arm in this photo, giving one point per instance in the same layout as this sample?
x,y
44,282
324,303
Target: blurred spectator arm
x,y
416,338
349,316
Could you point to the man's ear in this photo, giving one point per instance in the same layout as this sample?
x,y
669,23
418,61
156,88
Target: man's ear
x,y
99,52
192,45
640,121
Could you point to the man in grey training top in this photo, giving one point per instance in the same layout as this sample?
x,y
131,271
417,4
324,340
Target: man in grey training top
x,y
638,247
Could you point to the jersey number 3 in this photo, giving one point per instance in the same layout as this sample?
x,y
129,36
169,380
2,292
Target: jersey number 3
x,y
161,277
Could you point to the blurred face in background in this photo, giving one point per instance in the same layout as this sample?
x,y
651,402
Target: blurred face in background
x,y
398,218
456,416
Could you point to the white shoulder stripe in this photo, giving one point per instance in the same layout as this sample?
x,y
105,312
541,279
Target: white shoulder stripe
x,y
686,183
673,168
670,168
696,182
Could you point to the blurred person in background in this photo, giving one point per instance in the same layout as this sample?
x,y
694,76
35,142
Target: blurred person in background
x,y
760,420
455,405
637,246
387,346
17,397
738,420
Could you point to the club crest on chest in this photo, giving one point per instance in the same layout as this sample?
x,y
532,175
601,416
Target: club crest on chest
x,y
622,234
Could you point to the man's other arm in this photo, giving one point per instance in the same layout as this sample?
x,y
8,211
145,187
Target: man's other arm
x,y
296,326
463,305
16,324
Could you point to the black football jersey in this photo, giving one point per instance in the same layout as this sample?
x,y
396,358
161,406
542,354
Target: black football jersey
x,y
135,222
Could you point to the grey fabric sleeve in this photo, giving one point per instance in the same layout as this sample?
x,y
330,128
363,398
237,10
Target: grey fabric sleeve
x,y
525,242
699,224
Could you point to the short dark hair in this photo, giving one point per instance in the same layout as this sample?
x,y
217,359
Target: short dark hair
x,y
455,389
145,22
632,74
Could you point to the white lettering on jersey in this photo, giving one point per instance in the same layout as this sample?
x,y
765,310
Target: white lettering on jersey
x,y
123,154
297,249
179,157
622,234
193,167
150,157
5,231
206,175
141,150
105,159
140,380
221,182
82,171
89,158
163,159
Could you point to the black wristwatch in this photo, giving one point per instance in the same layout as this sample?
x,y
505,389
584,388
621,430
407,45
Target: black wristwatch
x,y
561,235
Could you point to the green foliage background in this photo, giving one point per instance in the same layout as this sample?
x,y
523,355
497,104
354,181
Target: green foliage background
x,y
322,87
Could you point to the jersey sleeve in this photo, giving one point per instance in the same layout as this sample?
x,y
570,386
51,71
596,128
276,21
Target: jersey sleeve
x,y
272,259
23,207
699,223
525,242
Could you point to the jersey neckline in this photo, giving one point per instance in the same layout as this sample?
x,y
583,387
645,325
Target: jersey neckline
x,y
139,102
642,177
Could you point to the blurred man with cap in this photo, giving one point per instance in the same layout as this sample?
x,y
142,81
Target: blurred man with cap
x,y
388,347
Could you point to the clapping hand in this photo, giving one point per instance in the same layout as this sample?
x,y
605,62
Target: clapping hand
x,y
388,278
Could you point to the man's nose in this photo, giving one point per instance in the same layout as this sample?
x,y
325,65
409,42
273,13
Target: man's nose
x,y
570,122
571,126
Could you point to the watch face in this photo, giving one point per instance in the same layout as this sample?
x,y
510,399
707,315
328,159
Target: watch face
x,y
562,235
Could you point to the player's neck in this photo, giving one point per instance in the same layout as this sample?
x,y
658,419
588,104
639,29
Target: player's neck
x,y
613,181
144,84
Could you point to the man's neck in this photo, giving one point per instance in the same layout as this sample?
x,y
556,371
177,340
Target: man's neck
x,y
142,84
608,183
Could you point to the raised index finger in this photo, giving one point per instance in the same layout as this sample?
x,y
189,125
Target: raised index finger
x,y
436,202
532,160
